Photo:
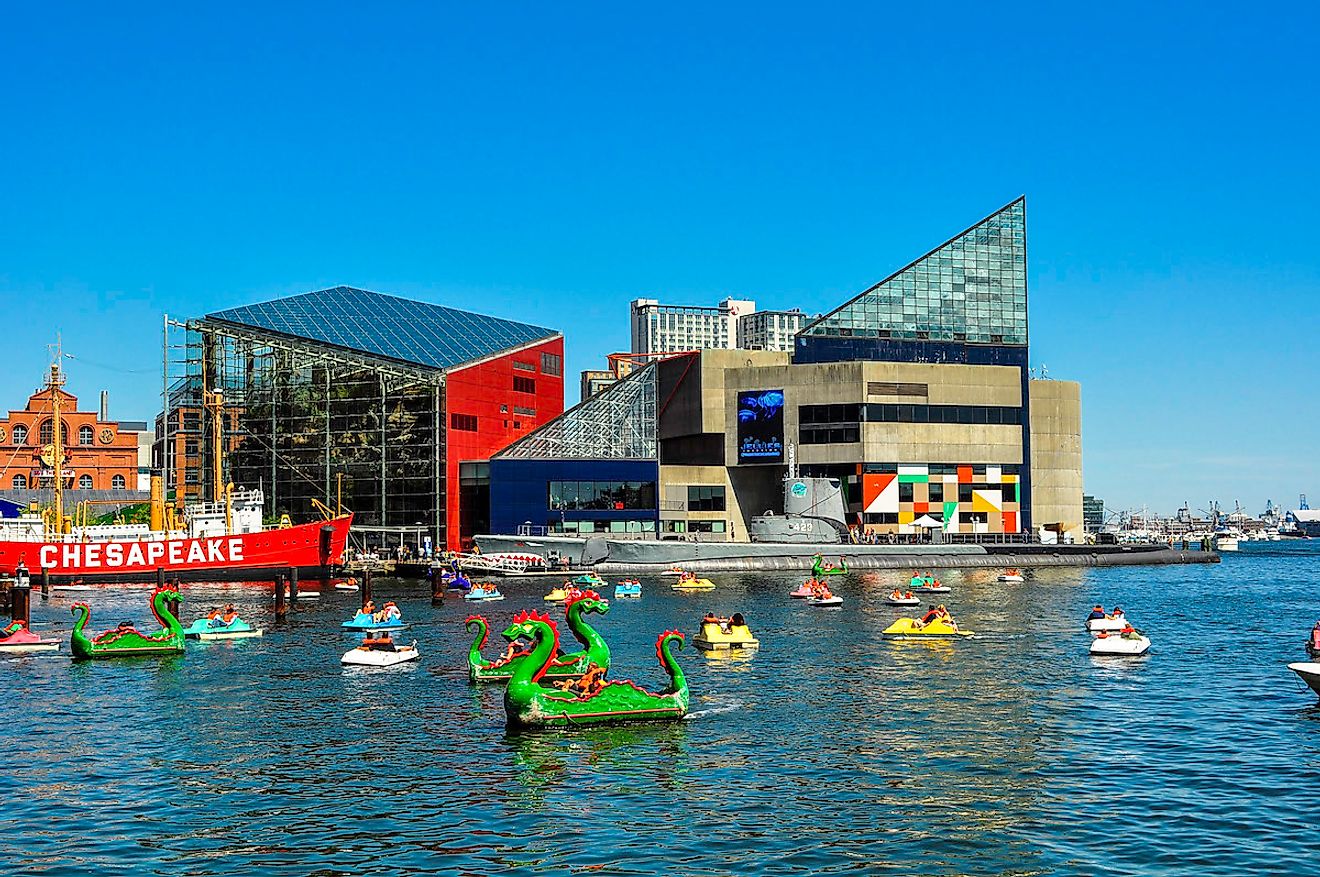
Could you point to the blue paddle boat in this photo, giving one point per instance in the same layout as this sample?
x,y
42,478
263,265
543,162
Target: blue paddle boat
x,y
364,621
589,580
216,628
628,588
487,591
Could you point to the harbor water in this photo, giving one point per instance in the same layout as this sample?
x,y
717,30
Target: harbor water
x,y
830,751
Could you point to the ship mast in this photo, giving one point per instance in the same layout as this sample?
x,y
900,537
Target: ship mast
x,y
54,383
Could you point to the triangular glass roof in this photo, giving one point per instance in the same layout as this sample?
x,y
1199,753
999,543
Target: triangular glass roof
x,y
618,423
971,288
385,325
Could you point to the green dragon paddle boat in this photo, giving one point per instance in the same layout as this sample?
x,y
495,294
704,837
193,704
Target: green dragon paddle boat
x,y
588,701
570,666
126,641
820,568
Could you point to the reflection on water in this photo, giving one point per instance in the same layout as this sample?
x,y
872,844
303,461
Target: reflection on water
x,y
828,750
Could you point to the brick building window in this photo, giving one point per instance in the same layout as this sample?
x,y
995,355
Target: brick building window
x,y
84,482
117,483
47,432
463,422
20,482
524,385
20,434
85,435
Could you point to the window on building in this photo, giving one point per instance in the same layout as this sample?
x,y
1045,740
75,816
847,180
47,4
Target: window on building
x,y
117,483
85,435
702,498
463,422
524,366
85,482
47,433
192,422
190,448
20,434
20,482
905,490
551,364
530,412
524,385
600,495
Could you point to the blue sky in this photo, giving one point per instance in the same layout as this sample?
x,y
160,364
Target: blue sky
x,y
551,162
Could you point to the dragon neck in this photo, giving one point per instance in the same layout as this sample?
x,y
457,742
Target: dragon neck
x,y
160,607
477,624
529,670
584,633
82,615
664,649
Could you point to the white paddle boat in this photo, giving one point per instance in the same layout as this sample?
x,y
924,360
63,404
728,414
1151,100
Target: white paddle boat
x,y
1121,644
1309,672
367,655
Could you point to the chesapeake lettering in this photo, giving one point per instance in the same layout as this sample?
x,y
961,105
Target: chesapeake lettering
x,y
109,555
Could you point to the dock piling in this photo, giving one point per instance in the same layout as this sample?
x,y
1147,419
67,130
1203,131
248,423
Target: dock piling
x,y
366,585
45,583
293,585
281,608
160,577
20,603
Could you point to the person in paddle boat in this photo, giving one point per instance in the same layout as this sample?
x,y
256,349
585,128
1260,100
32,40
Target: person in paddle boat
x,y
392,611
368,609
213,618
1314,646
1129,632
1117,613
1097,613
230,614
737,620
712,618
931,614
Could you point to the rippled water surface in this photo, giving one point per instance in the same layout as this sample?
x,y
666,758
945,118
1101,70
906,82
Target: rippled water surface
x,y
830,751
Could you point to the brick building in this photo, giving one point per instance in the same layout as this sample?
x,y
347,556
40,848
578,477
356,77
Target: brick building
x,y
99,454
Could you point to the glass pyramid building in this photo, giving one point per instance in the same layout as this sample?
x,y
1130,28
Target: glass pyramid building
x,y
971,289
618,423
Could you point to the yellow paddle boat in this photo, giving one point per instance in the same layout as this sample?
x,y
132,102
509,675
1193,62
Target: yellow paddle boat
x,y
936,627
725,633
689,582
561,593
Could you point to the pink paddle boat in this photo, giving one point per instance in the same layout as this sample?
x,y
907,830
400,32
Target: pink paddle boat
x,y
806,589
16,638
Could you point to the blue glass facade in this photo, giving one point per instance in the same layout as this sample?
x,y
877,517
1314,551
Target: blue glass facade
x,y
386,325
532,492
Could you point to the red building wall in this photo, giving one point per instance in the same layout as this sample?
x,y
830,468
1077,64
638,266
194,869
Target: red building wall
x,y
503,415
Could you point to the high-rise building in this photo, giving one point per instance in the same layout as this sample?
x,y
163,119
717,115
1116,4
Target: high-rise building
x,y
770,330
658,328
1093,514
597,380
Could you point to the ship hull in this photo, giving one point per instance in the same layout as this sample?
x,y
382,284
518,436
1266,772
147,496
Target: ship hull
x,y
316,550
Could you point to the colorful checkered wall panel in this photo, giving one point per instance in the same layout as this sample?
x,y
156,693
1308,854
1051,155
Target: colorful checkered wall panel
x,y
912,498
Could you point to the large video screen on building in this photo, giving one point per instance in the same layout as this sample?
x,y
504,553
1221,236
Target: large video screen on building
x,y
761,426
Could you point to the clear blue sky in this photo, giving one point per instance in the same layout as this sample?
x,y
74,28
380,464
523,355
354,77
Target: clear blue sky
x,y
550,162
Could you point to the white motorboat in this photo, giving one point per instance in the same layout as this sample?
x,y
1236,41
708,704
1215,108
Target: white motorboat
x,y
345,586
1106,624
72,588
831,600
933,589
1124,645
309,595
903,601
1012,578
375,656
1310,673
